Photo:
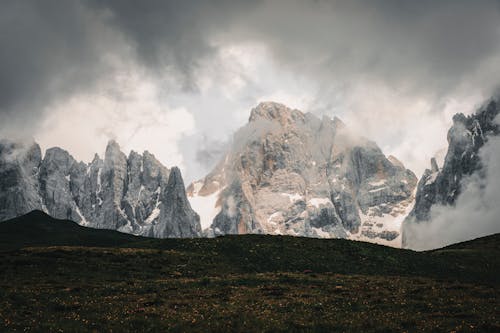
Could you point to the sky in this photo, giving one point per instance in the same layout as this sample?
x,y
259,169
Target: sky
x,y
178,78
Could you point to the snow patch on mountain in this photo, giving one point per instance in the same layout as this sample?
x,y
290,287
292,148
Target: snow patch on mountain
x,y
206,206
293,197
317,202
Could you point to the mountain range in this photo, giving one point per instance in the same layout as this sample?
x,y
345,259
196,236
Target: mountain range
x,y
286,172
134,194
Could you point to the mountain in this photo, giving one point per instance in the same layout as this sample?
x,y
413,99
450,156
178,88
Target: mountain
x,y
134,194
442,186
292,173
39,229
19,165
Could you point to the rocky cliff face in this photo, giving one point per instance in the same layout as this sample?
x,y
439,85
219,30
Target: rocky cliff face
x,y
443,186
134,194
293,173
19,170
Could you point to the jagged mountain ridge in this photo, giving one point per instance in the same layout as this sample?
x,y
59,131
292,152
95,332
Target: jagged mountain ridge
x,y
292,173
442,186
134,194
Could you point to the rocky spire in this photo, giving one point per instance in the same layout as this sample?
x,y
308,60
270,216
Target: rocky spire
x,y
179,219
120,193
434,166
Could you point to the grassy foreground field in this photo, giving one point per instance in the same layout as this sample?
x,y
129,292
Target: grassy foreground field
x,y
120,283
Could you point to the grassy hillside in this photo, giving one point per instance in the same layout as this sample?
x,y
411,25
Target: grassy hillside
x,y
112,281
39,229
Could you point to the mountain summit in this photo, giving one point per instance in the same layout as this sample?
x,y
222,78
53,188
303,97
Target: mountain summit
x,y
289,172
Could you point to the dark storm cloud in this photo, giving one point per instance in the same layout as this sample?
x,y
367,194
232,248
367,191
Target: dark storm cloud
x,y
173,35
428,46
419,45
50,49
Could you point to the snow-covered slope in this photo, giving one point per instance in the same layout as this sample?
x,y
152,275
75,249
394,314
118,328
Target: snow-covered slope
x,y
292,173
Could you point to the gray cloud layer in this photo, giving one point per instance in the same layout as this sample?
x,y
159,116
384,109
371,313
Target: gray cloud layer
x,y
430,46
172,35
48,49
430,50
51,46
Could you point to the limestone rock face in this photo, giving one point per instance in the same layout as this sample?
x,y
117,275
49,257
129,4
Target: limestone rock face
x,y
292,173
443,186
175,210
55,184
19,169
134,194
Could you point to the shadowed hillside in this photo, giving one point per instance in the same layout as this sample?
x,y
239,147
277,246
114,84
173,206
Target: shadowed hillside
x,y
39,229
111,281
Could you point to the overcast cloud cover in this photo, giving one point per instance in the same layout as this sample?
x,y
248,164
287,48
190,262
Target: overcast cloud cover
x,y
179,77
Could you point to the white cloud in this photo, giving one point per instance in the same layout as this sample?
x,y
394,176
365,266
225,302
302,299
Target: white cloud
x,y
475,213
150,113
410,128
126,108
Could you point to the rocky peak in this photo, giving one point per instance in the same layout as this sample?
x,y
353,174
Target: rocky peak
x,y
275,112
466,136
19,170
20,152
58,159
33,154
153,169
112,145
96,159
176,210
396,162
334,124
459,118
302,176
133,155
113,152
434,165
175,181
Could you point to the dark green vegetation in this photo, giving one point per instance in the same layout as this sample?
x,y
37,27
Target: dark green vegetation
x,y
39,229
239,283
